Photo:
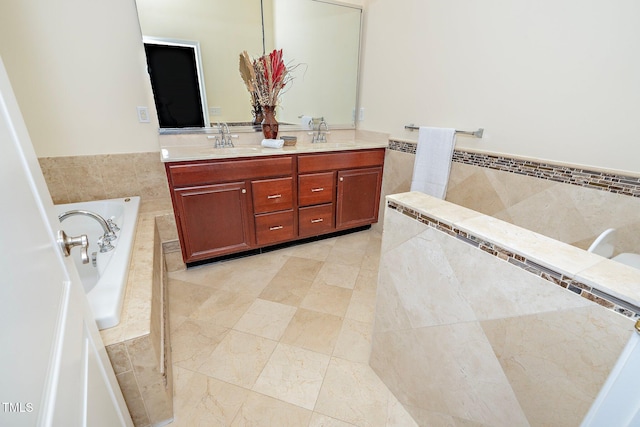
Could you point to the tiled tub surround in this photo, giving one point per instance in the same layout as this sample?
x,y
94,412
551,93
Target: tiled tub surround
x,y
473,326
82,178
139,346
564,202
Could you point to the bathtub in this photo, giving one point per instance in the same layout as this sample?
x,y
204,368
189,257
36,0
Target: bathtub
x,y
104,278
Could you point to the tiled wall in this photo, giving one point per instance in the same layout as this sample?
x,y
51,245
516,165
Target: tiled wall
x,y
463,336
568,204
82,178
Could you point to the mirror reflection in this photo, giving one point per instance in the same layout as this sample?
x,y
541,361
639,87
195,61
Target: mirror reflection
x,y
321,38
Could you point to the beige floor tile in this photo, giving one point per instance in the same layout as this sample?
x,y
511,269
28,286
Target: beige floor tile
x,y
352,392
318,300
185,297
267,319
313,331
333,274
238,359
264,411
301,268
286,290
293,375
362,306
346,255
327,299
203,401
354,341
224,308
355,241
319,420
367,281
314,250
193,341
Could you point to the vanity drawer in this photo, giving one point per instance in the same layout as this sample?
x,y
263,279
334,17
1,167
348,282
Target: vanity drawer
x,y
316,188
315,220
271,195
207,172
340,160
274,227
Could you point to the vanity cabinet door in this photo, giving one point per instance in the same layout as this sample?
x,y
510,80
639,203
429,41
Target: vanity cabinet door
x,y
358,197
213,220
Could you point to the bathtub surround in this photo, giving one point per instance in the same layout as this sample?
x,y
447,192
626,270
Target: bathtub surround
x,y
565,202
513,346
139,346
97,177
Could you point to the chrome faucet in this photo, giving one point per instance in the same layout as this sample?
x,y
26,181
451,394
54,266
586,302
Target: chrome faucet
x,y
321,136
109,227
224,140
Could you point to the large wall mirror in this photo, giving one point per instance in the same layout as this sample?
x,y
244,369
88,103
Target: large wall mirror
x,y
321,37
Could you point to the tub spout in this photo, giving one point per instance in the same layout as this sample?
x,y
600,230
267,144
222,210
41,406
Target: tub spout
x,y
108,226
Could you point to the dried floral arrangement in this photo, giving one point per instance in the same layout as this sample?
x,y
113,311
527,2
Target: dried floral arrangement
x,y
265,77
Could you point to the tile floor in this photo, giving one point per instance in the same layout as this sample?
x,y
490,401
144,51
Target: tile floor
x,y
280,339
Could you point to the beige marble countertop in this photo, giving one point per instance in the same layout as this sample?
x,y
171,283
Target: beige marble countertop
x,y
199,147
610,277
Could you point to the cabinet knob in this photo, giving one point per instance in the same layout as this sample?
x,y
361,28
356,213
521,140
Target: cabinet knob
x,y
244,191
341,178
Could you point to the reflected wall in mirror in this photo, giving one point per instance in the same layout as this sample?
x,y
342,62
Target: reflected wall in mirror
x,y
322,38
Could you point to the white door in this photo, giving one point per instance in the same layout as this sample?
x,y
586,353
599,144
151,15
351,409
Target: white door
x,y
54,370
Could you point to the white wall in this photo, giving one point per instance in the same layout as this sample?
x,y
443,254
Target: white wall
x,y
78,70
550,79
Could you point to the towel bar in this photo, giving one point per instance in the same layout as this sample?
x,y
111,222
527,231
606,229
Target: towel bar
x,y
478,133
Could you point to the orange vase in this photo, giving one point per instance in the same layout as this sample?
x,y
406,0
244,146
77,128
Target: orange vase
x,y
269,123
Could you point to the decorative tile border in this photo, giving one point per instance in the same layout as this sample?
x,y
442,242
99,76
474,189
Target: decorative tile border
x,y
613,183
585,291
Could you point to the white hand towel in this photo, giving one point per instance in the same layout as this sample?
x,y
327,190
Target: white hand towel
x,y
273,143
433,161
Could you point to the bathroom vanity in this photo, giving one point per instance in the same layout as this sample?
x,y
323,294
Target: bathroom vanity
x,y
232,200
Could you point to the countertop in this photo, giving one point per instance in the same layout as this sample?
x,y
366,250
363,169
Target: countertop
x,y
201,151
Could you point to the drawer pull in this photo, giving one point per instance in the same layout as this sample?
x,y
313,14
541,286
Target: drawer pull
x,y
315,190
274,196
277,227
313,221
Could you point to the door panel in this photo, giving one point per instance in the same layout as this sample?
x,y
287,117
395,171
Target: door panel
x,y
214,220
42,303
358,197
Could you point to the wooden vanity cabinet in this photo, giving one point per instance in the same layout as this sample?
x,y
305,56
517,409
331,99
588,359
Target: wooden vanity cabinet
x,y
355,178
233,205
217,210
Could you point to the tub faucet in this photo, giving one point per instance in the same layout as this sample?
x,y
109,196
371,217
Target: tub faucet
x,y
107,226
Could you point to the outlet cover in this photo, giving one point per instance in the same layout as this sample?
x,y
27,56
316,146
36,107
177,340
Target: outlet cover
x,y
361,114
143,115
215,111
